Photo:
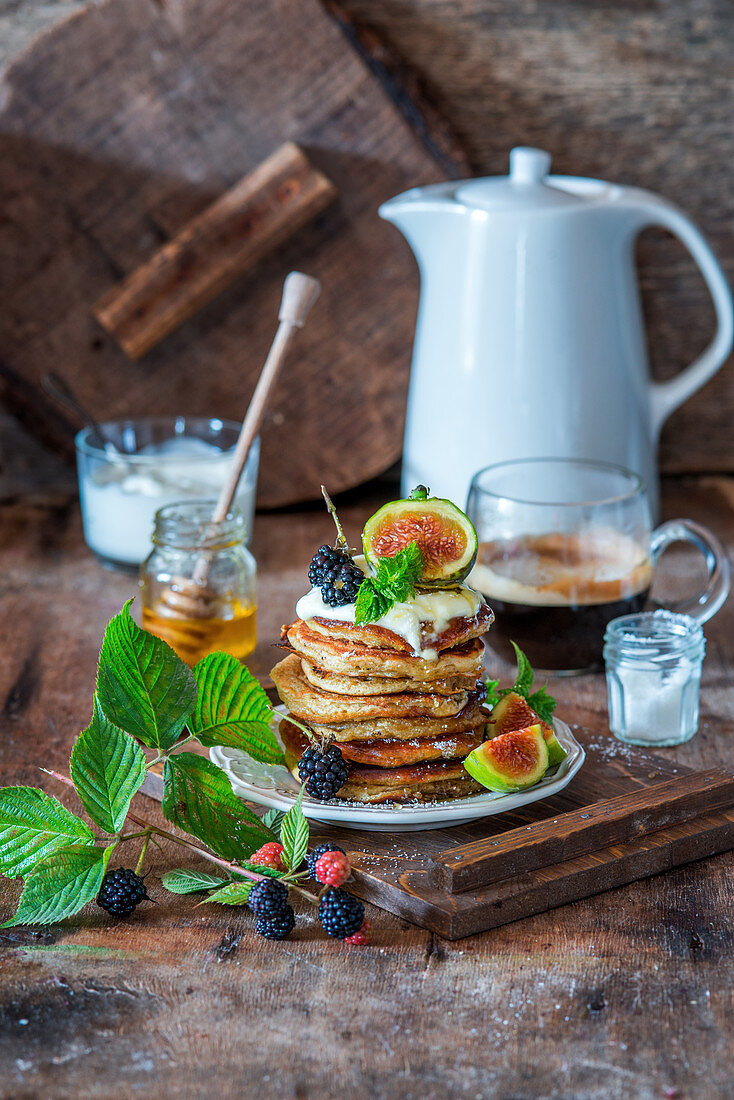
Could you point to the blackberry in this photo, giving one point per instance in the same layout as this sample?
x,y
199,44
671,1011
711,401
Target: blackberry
x,y
324,771
340,913
277,926
334,572
317,853
268,899
121,891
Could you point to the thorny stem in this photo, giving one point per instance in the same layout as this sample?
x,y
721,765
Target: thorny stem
x,y
163,755
144,850
233,868
341,538
294,722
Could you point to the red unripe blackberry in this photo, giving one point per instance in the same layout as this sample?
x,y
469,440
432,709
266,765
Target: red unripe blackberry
x,y
313,857
362,936
270,855
332,868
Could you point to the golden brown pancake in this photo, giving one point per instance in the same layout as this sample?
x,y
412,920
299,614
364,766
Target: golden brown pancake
x,y
312,705
431,782
389,753
442,790
382,685
351,658
461,629
470,718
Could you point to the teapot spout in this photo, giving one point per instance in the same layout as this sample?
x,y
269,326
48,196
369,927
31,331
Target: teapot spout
x,y
422,215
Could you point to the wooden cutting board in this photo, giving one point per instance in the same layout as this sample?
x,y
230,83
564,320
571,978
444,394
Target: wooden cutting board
x,y
626,815
129,119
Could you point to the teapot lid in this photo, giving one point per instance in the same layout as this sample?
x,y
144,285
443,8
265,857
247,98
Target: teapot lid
x,y
526,186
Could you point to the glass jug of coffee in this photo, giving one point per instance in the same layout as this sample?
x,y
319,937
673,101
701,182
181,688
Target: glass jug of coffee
x,y
565,546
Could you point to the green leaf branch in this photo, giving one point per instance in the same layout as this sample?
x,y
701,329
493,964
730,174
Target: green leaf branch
x,y
149,705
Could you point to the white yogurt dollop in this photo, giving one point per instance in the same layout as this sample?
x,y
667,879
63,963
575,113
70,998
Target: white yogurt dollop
x,y
432,610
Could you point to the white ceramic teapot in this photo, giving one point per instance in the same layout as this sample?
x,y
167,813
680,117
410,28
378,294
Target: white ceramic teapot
x,y
530,339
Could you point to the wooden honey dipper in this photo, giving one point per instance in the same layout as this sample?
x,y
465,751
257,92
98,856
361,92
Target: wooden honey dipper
x,y
192,598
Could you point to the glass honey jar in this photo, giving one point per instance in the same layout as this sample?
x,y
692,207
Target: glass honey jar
x,y
199,582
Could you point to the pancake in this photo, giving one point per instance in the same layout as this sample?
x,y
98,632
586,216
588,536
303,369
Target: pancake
x,y
439,791
389,753
431,782
348,657
381,685
471,717
459,630
312,705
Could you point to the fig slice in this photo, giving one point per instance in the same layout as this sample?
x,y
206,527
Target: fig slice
x,y
515,713
511,761
446,537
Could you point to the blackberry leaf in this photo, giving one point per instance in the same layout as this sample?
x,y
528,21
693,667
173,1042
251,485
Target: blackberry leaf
x,y
107,768
33,825
197,797
232,709
61,885
183,881
294,834
234,893
143,686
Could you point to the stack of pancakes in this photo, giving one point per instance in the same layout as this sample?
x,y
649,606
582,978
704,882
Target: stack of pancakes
x,y
403,723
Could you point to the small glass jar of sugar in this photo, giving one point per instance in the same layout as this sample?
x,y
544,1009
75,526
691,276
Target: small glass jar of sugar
x,y
653,665
138,466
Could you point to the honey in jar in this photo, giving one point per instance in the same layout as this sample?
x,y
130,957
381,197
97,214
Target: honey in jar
x,y
199,583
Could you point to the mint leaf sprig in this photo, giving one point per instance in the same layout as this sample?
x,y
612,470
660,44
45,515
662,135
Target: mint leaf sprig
x,y
393,582
541,702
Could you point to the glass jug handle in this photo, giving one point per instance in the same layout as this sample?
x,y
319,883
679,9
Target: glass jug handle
x,y
707,602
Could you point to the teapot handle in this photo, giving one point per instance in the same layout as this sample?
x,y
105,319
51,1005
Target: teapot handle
x,y
665,397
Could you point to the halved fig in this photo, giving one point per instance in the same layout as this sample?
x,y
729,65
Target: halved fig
x,y
510,762
446,536
515,713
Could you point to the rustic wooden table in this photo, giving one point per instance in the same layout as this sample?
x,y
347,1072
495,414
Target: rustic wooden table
x,y
628,994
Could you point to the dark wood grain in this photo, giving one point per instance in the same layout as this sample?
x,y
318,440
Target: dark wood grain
x,y
124,123
599,825
621,997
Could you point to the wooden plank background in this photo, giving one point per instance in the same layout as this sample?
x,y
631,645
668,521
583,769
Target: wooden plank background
x,y
634,92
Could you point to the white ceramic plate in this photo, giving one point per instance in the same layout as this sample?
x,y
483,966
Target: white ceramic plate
x,y
276,787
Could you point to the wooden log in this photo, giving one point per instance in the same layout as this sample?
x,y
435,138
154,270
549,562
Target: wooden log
x,y
261,211
583,831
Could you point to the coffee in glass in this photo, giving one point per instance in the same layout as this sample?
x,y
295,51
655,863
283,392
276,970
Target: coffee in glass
x,y
565,547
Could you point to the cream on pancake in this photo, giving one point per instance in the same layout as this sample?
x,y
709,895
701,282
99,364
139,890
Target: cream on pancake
x,y
352,658
458,630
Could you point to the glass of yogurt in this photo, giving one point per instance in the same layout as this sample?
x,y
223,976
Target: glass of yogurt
x,y
144,464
